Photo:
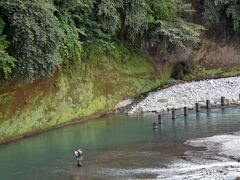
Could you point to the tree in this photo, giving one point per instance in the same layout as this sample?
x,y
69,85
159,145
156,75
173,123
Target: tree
x,y
7,62
217,11
169,24
40,30
34,36
154,19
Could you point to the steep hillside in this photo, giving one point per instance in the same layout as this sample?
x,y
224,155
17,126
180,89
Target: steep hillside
x,y
86,91
73,60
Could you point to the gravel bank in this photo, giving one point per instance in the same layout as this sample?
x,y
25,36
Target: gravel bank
x,y
188,94
220,161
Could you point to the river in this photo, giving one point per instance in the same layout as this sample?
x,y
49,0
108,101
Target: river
x,y
120,147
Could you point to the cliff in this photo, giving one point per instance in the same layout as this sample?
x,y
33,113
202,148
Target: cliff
x,y
90,89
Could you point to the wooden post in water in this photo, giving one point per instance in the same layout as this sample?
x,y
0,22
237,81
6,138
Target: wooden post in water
x,y
197,107
208,105
159,119
154,125
185,111
173,114
222,101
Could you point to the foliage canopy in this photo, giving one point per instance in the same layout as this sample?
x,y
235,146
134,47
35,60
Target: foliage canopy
x,y
45,33
227,11
34,36
7,62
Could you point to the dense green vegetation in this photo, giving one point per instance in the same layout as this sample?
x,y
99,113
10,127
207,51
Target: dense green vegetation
x,y
223,12
38,36
6,61
34,36
44,34
95,53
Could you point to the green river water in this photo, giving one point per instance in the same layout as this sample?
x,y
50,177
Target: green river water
x,y
110,144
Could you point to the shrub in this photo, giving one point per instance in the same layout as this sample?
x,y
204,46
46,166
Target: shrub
x,y
7,62
34,35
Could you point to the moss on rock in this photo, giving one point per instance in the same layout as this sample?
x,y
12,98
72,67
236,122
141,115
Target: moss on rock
x,y
90,88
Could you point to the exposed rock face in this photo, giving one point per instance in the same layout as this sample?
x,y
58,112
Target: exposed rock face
x,y
188,94
85,92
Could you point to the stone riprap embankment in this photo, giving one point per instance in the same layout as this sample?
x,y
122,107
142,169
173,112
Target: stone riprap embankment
x,y
188,94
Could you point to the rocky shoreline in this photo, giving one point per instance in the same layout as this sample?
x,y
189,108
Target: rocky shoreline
x,y
184,94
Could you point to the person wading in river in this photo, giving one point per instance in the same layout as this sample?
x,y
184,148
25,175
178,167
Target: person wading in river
x,y
79,157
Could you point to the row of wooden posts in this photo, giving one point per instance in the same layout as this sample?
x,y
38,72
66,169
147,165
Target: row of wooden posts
x,y
185,109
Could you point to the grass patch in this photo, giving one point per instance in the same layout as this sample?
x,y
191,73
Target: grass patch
x,y
203,73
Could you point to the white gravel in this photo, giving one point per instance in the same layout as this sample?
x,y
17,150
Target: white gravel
x,y
226,145
123,103
188,94
215,163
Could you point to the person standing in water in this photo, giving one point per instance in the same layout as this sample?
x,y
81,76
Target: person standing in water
x,y
79,157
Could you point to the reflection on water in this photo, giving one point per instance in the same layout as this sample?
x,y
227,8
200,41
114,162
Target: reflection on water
x,y
110,144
